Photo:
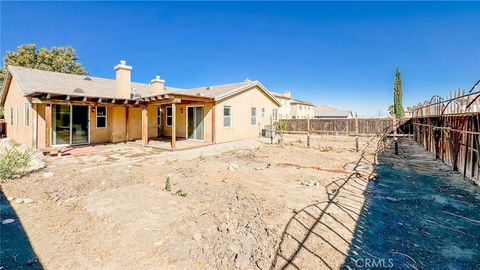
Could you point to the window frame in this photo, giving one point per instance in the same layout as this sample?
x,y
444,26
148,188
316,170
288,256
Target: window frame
x,y
253,117
169,116
274,114
26,114
11,116
101,116
159,117
230,116
263,112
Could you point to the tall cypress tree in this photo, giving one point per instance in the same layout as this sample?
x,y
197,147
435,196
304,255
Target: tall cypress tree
x,y
397,95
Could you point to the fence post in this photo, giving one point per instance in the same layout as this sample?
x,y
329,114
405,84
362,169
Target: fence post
x,y
271,129
466,149
356,133
308,132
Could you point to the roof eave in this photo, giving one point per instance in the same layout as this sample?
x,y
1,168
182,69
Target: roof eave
x,y
248,86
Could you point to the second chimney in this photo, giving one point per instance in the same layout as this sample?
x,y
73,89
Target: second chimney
x,y
123,80
157,85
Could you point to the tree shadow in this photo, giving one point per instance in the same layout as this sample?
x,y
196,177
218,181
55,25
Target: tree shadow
x,y
319,235
15,249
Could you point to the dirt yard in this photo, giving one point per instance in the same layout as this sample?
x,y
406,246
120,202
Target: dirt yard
x,y
241,205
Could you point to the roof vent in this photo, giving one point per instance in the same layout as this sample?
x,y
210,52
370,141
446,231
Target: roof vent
x,y
200,94
78,90
209,88
87,78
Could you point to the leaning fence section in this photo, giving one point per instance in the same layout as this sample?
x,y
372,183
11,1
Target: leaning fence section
x,y
450,129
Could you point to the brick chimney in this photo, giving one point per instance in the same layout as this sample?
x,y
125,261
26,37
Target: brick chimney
x,y
157,85
123,80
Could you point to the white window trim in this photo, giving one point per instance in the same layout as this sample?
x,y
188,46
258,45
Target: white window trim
x,y
231,118
251,116
105,116
166,116
26,114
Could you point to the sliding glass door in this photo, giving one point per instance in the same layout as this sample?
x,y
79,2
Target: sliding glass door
x,y
69,125
195,128
61,124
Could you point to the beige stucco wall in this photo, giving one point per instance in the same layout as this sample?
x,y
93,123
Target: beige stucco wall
x,y
241,104
18,132
307,111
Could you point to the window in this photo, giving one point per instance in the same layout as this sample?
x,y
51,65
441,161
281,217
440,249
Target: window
x,y
227,116
101,117
274,114
26,114
263,112
169,115
11,116
159,117
253,116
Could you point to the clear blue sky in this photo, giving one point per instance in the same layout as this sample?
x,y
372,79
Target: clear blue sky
x,y
343,54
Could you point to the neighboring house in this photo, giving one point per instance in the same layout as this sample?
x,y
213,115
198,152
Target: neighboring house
x,y
328,112
46,109
284,110
407,111
301,109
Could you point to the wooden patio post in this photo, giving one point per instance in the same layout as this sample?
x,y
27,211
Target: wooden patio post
x,y
144,126
48,124
174,127
213,123
127,125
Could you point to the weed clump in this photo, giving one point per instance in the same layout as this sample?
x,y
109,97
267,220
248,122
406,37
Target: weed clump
x,y
181,193
168,185
13,161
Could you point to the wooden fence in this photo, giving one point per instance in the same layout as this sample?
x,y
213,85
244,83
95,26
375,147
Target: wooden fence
x,y
453,139
366,126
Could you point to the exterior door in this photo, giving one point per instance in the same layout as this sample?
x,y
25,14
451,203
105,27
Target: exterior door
x,y
195,127
70,125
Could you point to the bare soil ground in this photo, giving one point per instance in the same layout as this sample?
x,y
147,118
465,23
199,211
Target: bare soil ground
x,y
241,209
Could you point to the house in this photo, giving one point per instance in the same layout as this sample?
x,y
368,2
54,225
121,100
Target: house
x,y
301,109
329,112
291,108
284,109
48,109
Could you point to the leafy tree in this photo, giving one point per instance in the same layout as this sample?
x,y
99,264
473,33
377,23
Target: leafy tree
x,y
397,95
61,59
391,110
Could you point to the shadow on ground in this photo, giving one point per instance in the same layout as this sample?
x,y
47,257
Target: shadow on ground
x,y
15,249
417,214
318,236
